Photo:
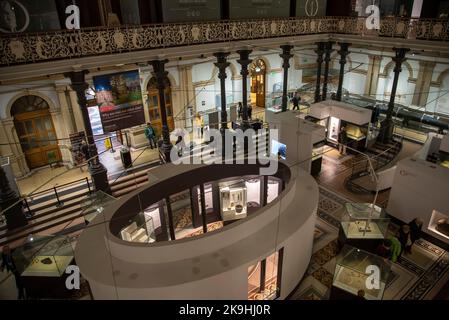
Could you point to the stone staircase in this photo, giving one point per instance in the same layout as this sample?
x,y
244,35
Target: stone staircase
x,y
50,215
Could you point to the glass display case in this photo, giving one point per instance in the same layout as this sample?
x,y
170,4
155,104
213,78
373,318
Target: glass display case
x,y
141,228
359,273
363,225
46,256
94,203
439,224
42,262
233,202
317,157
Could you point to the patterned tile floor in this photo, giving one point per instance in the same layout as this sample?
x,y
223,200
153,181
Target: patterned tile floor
x,y
419,275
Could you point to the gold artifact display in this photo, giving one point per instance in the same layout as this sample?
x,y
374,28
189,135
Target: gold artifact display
x,y
354,132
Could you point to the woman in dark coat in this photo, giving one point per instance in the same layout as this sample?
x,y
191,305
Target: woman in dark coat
x,y
404,236
415,229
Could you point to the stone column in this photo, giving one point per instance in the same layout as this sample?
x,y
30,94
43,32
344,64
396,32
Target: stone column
x,y
372,75
65,110
387,126
423,81
319,51
327,59
286,56
343,52
161,76
77,115
244,61
222,64
97,170
18,159
62,134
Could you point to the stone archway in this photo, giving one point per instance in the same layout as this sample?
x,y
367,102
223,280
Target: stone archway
x,y
35,130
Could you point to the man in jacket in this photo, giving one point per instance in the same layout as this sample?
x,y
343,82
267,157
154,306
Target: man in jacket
x,y
150,134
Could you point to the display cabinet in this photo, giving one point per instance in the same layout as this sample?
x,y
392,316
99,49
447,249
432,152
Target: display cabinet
x,y
141,228
317,158
233,202
439,224
363,225
94,203
359,274
42,262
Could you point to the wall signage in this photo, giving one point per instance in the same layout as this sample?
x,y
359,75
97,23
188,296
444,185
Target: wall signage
x,y
119,99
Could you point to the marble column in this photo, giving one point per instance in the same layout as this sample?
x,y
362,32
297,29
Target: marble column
x,y
244,61
161,76
18,159
423,81
343,52
97,170
327,59
387,126
286,56
65,110
372,75
319,61
77,115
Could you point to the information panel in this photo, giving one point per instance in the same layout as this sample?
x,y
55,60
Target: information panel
x,y
258,9
119,99
190,10
311,8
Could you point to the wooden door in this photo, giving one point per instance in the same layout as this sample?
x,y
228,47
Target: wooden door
x,y
154,110
37,137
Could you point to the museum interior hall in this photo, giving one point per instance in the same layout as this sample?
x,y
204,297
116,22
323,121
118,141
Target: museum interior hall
x,y
224,150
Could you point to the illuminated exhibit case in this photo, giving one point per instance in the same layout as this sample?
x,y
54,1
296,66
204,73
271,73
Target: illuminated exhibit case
x,y
352,269
363,226
42,262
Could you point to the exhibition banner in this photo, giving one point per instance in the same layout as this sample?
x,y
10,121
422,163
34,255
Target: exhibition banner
x,y
119,99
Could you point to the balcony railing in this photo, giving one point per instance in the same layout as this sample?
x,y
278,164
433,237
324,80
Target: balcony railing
x,y
69,44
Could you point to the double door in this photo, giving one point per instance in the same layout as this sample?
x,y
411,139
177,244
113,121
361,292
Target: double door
x,y
37,137
258,90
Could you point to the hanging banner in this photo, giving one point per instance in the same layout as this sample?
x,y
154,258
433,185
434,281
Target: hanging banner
x,y
119,99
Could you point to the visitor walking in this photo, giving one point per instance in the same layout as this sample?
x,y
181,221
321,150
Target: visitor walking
x,y
150,134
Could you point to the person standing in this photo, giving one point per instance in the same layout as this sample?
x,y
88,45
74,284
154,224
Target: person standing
x,y
84,148
240,110
295,100
342,140
405,238
199,124
250,112
150,134
415,229
10,266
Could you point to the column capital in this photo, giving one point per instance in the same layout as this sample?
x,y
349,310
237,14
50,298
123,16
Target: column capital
x,y
160,72
221,64
244,61
60,88
399,58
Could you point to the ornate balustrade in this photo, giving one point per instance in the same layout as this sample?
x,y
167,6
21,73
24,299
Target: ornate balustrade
x,y
69,44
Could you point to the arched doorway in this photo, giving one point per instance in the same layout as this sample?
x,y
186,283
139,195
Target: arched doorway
x,y
258,71
36,132
154,108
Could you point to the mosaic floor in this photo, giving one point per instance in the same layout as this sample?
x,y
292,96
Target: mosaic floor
x,y
416,276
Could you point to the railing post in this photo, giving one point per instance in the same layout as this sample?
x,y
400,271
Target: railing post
x,y
59,204
88,185
27,205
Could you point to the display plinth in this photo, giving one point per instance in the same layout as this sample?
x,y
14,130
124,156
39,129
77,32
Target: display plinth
x,y
352,271
363,226
42,263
